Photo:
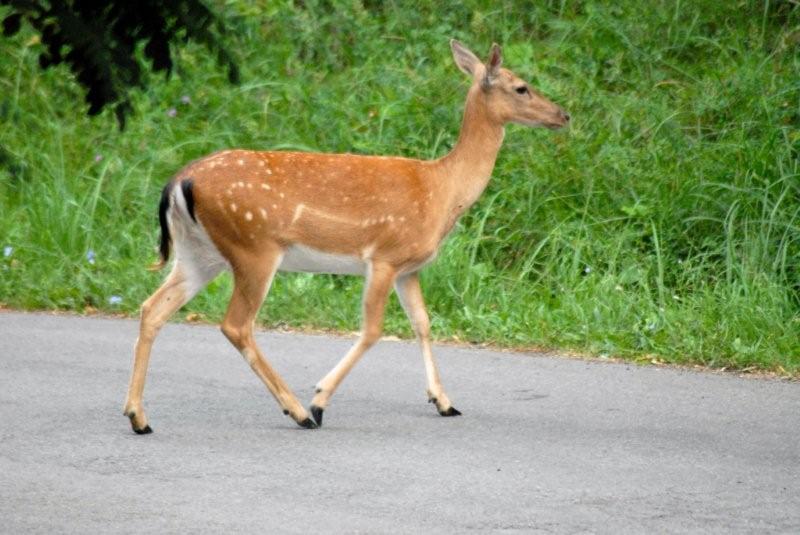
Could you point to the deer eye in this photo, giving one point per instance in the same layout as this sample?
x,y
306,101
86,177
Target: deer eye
x,y
521,90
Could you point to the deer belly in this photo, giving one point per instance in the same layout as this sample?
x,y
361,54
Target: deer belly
x,y
305,259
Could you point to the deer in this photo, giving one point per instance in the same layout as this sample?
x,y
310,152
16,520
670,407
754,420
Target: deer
x,y
384,218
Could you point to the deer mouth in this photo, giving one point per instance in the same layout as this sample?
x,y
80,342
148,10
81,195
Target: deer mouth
x,y
550,125
555,120
562,119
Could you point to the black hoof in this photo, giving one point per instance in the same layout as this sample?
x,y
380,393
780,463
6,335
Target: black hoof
x,y
450,412
316,412
146,430
308,423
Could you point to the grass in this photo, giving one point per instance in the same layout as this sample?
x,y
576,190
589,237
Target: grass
x,y
664,224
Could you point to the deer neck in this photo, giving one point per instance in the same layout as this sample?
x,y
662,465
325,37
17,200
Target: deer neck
x,y
468,167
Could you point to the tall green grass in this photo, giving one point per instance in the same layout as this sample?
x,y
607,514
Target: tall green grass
x,y
665,223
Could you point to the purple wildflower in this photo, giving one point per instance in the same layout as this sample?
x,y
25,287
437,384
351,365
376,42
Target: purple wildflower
x,y
186,99
172,112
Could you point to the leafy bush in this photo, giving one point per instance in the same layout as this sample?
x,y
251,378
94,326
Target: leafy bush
x,y
662,225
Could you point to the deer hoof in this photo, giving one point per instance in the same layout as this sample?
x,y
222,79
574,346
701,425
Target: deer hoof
x,y
146,430
308,423
452,411
316,412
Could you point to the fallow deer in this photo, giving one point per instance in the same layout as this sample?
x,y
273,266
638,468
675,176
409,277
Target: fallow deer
x,y
255,213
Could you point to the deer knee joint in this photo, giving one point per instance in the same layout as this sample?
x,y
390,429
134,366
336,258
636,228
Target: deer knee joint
x,y
234,334
148,326
370,336
423,329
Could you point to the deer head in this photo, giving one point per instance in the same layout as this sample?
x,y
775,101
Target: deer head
x,y
508,98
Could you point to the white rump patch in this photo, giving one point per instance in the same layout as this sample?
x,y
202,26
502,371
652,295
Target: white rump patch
x,y
195,254
300,258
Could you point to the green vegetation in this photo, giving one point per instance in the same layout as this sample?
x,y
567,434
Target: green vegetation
x,y
664,224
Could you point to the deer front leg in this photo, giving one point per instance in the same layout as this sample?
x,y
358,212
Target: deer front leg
x,y
410,294
376,290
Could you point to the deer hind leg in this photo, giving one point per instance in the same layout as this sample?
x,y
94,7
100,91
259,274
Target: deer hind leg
x,y
376,290
251,285
410,294
183,282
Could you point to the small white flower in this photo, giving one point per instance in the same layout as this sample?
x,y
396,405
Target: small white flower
x,y
7,250
114,300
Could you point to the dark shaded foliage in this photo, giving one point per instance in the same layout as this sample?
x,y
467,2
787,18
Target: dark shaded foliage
x,y
101,40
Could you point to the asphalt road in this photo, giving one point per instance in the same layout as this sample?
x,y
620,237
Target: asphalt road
x,y
545,444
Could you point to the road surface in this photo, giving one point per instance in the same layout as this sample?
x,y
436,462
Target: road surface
x,y
545,445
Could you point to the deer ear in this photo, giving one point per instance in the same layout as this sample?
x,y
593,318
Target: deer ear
x,y
493,63
464,58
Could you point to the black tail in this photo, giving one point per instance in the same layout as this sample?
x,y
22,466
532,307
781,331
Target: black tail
x,y
166,239
163,207
186,187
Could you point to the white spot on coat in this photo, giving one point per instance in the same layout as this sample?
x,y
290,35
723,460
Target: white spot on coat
x,y
298,211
